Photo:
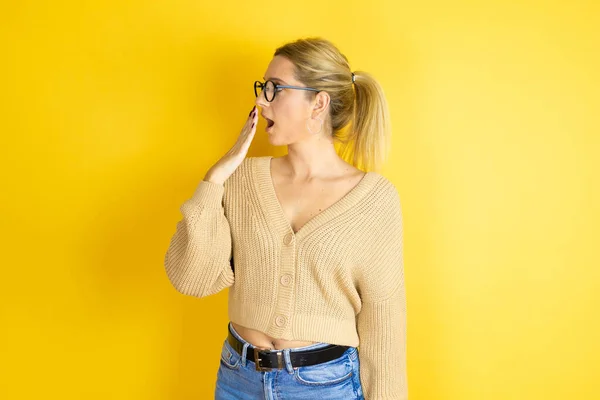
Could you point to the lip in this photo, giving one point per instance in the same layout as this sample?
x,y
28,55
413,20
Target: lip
x,y
268,128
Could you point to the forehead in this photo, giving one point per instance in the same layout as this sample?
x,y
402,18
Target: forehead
x,y
282,68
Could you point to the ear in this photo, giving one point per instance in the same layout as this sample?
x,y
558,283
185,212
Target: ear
x,y
320,105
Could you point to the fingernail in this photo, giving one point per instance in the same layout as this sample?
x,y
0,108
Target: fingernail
x,y
252,125
251,111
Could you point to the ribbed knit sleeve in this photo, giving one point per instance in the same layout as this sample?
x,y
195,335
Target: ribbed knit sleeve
x,y
197,261
381,322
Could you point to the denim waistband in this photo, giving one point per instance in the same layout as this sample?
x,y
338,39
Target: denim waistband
x,y
317,345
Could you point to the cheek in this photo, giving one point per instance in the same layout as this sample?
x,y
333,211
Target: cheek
x,y
291,113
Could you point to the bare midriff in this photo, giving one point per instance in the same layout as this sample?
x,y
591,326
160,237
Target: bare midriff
x,y
260,339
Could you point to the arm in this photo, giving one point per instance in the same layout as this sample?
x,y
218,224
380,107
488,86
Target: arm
x,y
197,261
381,322
382,350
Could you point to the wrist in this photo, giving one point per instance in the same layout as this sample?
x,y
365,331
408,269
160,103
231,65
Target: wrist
x,y
214,179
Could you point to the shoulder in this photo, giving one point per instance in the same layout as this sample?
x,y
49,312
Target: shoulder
x,y
250,162
384,182
243,174
384,193
242,169
382,210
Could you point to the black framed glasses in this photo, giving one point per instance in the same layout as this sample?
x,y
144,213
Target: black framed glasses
x,y
270,89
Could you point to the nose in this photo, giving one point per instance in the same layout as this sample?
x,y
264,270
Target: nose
x,y
260,100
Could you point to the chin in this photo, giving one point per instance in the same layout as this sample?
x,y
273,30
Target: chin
x,y
273,140
278,139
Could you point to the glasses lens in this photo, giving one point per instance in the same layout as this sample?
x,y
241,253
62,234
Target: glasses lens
x,y
269,90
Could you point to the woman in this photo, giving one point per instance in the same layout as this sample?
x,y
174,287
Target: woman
x,y
309,246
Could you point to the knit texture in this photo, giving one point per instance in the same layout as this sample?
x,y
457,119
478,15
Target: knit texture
x,y
339,279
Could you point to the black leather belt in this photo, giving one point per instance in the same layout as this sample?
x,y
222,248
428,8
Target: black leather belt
x,y
267,359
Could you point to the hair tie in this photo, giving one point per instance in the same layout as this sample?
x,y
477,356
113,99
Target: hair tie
x,y
353,77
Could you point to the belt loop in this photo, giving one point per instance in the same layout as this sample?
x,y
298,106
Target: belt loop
x,y
288,361
244,353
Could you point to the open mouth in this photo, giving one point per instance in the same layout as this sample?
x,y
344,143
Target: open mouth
x,y
270,122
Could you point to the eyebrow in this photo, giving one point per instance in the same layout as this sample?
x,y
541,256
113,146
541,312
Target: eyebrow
x,y
275,79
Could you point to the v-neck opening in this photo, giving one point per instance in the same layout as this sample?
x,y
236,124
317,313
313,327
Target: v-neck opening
x,y
275,209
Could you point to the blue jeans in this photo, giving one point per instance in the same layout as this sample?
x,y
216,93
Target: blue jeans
x,y
238,379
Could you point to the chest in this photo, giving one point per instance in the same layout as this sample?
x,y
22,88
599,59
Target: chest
x,y
302,202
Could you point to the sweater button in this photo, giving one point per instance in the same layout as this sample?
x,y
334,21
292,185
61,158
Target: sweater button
x,y
288,239
280,320
285,280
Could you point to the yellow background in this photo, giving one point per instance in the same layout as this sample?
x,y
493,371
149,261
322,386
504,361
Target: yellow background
x,y
113,111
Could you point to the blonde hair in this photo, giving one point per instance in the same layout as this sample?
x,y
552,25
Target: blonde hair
x,y
359,115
